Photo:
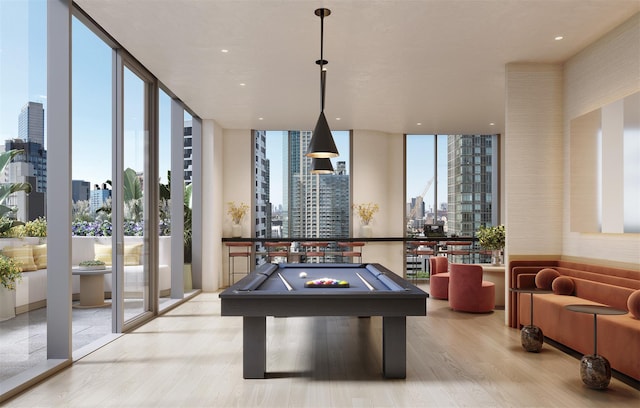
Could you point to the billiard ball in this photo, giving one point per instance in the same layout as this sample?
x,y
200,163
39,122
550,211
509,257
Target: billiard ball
x,y
303,275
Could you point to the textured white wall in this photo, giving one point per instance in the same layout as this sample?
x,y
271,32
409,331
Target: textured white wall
x,y
533,167
604,72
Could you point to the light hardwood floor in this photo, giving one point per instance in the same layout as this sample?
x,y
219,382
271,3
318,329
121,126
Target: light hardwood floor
x,y
192,357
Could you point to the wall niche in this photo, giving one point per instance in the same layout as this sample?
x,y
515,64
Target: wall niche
x,y
605,168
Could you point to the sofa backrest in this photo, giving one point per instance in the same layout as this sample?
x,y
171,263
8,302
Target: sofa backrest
x,y
83,248
602,284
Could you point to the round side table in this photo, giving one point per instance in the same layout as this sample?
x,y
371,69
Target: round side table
x,y
595,370
531,335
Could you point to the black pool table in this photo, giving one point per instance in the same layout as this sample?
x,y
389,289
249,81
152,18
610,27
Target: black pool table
x,y
279,290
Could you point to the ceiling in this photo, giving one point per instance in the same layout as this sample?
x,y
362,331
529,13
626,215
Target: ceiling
x,y
431,66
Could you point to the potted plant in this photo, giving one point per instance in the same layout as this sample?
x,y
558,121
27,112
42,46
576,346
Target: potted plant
x,y
493,239
93,264
10,273
237,213
365,212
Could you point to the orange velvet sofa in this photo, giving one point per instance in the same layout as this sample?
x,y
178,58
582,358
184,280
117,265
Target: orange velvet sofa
x,y
618,336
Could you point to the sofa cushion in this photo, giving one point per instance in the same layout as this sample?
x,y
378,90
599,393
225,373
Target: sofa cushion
x,y
562,285
102,253
633,303
131,254
545,278
23,255
40,256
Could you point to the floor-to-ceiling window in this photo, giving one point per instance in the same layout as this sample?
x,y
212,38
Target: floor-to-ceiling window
x,y
91,175
23,111
451,185
135,121
291,201
113,174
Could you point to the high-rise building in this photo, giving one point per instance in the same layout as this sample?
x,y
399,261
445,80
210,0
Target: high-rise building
x,y
31,123
263,202
80,190
188,151
318,204
32,163
472,183
98,197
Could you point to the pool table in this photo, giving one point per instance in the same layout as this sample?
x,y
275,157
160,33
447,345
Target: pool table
x,y
279,290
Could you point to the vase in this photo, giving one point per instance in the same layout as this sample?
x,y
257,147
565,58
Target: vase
x,y
496,257
7,303
236,230
366,231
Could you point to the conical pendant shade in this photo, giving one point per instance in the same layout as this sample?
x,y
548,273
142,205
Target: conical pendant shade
x,y
321,166
322,144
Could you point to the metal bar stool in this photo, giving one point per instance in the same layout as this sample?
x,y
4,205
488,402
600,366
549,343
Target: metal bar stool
x,y
241,250
351,250
277,250
458,248
314,250
420,249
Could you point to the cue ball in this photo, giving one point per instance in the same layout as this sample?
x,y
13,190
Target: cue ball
x,y
303,275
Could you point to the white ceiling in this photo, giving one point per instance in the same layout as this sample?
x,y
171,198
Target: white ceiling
x,y
392,64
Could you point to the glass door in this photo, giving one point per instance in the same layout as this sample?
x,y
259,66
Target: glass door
x,y
134,248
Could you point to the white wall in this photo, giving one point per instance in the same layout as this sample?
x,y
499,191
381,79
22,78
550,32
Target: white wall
x,y
604,72
533,167
212,197
237,167
378,177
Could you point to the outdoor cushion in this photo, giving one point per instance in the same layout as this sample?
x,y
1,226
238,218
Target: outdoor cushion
x,y
23,255
40,256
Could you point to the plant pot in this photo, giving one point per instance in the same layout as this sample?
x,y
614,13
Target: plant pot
x,y
7,303
496,257
236,230
187,278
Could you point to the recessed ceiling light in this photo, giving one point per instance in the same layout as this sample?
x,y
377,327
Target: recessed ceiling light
x,y
419,123
338,118
224,50
260,118
558,38
242,84
492,124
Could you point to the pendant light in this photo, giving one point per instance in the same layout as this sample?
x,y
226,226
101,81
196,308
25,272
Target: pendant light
x,y
322,144
321,166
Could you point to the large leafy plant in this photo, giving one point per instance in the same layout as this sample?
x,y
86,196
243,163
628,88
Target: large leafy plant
x,y
492,238
9,272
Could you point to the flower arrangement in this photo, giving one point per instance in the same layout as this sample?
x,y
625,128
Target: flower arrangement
x,y
10,272
237,211
492,238
366,211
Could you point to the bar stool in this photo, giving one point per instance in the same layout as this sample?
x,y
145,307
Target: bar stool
x,y
417,249
240,250
277,249
314,249
351,250
458,248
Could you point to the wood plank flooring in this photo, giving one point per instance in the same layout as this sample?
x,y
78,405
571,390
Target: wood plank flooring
x,y
192,357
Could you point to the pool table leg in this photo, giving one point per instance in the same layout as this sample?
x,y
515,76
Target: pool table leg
x,y
394,346
254,346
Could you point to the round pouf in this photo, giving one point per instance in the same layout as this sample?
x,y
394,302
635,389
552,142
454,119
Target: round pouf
x,y
531,338
595,371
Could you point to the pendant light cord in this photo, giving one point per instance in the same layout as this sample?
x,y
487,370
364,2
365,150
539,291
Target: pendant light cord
x,y
322,72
